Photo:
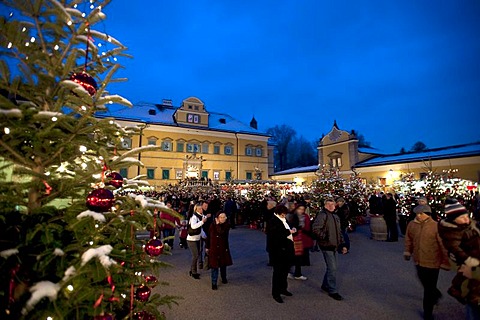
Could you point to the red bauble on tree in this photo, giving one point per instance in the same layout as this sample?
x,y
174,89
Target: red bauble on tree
x,y
154,247
100,200
143,293
151,280
143,315
86,81
104,317
114,179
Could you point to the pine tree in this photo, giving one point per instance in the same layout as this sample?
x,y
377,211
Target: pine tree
x,y
329,184
58,258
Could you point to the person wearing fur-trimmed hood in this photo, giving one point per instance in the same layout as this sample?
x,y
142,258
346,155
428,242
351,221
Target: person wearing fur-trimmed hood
x,y
461,237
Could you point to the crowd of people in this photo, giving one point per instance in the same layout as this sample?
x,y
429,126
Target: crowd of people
x,y
294,228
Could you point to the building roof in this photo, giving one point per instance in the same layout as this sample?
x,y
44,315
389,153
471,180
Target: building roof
x,y
458,151
298,170
161,114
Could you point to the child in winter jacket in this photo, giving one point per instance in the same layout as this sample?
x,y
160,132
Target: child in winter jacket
x,y
461,237
183,234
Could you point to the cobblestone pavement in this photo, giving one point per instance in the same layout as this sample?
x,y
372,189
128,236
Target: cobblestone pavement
x,y
373,278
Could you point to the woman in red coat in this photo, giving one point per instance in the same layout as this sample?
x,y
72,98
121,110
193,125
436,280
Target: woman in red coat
x,y
218,249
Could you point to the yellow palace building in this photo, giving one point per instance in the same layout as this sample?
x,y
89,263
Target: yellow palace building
x,y
194,143
340,149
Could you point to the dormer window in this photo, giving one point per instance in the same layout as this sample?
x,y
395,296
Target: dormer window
x,y
335,159
193,118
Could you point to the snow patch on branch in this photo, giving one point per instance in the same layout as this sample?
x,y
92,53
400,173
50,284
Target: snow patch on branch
x,y
70,272
7,253
101,253
40,290
58,252
95,215
11,112
48,114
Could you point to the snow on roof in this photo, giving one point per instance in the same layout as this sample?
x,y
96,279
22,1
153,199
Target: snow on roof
x,y
370,150
464,150
164,115
297,170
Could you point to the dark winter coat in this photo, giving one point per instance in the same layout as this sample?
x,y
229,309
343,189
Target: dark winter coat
x,y
326,227
460,241
279,246
389,209
343,213
218,246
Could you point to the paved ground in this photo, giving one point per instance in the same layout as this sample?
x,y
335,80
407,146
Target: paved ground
x,y
374,279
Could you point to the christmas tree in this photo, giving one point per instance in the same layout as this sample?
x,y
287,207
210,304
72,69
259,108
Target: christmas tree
x,y
329,184
68,248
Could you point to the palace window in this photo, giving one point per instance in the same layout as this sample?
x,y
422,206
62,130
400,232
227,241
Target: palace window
x,y
205,147
193,147
124,172
228,175
193,118
127,143
165,174
179,175
216,149
228,150
180,146
205,174
248,176
216,175
258,152
167,145
248,151
335,159
150,173
152,141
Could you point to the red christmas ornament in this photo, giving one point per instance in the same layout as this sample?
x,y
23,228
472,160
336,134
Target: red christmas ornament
x,y
114,179
100,200
86,81
151,280
143,315
154,247
104,317
143,293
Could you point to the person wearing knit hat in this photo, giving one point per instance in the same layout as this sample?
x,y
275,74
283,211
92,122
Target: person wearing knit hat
x,y
454,209
461,237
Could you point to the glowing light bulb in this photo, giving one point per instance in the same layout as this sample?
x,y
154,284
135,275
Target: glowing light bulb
x,y
114,59
24,29
49,318
83,149
100,44
9,45
6,130
111,121
47,173
56,47
70,287
54,119
109,39
83,108
27,44
91,243
83,14
75,5
92,6
32,39
96,226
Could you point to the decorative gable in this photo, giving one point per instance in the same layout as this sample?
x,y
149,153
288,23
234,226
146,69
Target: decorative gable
x,y
192,112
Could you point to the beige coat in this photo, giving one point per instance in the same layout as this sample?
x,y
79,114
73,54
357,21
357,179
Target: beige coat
x,y
424,243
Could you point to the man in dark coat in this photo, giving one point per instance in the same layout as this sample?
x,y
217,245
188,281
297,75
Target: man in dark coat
x,y
390,217
281,251
230,209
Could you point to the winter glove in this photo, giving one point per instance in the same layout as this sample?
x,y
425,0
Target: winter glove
x,y
472,262
407,256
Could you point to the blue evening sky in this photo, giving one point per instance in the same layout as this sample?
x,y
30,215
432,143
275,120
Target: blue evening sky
x,y
396,71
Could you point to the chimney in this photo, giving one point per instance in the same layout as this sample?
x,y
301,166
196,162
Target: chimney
x,y
167,102
254,123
